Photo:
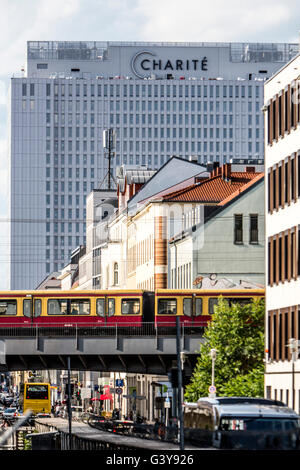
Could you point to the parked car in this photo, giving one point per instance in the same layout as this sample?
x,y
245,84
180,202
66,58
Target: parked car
x,y
10,413
8,401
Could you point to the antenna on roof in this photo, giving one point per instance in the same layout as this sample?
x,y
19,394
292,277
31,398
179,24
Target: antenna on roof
x,y
109,146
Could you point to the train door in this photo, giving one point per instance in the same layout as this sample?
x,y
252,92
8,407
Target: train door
x,y
105,309
192,310
32,309
148,307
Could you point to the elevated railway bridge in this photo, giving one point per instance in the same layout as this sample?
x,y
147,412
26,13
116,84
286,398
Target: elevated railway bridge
x,y
145,349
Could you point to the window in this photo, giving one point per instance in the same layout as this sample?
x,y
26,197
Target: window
x,y
167,307
188,307
100,307
27,308
198,310
253,228
68,307
212,303
116,274
37,307
8,307
238,228
239,300
36,392
111,307
57,307
130,307
80,307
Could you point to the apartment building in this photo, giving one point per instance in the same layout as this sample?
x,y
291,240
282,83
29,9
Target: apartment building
x,y
282,200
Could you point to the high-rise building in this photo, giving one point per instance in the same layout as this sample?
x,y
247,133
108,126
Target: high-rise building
x,y
161,99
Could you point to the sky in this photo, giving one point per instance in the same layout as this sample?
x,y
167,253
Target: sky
x,y
125,20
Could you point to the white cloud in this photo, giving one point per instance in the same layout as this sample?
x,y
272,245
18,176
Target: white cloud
x,y
21,21
152,20
215,20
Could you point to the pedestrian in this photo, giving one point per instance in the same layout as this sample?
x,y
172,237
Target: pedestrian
x,y
156,428
57,410
161,431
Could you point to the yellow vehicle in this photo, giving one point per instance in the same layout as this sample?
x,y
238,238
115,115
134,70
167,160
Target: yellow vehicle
x,y
36,397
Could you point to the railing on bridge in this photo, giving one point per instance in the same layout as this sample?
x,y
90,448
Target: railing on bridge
x,y
70,329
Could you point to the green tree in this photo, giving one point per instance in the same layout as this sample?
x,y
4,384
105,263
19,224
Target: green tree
x,y
237,333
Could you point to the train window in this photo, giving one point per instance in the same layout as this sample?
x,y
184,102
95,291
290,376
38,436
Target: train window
x,y
27,308
167,307
100,307
111,307
71,306
8,307
37,307
241,301
130,306
213,302
57,307
188,307
198,309
80,307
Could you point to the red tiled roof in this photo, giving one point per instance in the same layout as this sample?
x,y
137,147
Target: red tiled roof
x,y
215,189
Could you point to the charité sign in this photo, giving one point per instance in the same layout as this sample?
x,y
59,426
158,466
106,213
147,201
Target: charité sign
x,y
148,62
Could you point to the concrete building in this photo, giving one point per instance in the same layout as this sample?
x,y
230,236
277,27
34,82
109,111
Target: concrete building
x,y
282,163
161,99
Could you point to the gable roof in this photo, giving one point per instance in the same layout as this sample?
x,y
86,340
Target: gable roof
x,y
171,173
216,209
215,190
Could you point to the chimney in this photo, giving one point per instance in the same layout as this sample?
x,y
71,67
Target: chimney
x,y
250,169
209,167
226,171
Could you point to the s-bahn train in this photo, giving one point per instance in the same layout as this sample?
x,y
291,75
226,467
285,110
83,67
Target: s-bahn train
x,y
116,307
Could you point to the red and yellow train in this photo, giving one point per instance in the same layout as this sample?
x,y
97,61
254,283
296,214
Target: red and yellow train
x,y
110,307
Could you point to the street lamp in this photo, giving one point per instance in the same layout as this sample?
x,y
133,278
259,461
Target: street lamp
x,y
213,355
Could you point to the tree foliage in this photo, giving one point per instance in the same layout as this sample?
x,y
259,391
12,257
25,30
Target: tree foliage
x,y
237,333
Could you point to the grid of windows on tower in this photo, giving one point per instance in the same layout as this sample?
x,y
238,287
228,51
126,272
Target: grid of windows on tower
x,y
201,119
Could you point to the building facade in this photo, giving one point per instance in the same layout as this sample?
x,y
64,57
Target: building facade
x,y
161,99
224,236
131,244
282,162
